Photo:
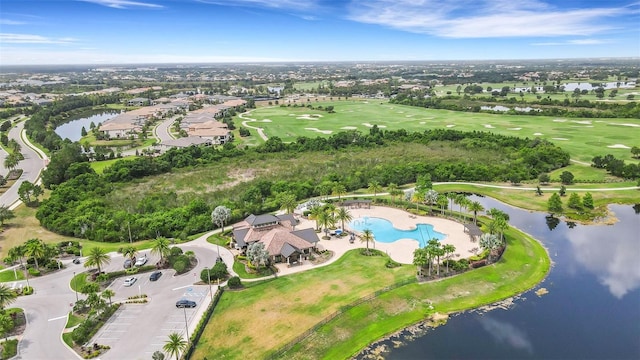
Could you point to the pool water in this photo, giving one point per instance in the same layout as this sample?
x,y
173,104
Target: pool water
x,y
383,230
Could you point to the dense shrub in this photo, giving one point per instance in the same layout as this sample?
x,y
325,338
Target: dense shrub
x,y
234,282
34,271
180,266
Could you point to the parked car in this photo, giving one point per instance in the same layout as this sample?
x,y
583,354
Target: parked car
x,y
129,262
155,275
184,303
76,260
129,281
142,260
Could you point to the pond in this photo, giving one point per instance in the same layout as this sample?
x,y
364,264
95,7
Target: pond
x,y
72,129
592,310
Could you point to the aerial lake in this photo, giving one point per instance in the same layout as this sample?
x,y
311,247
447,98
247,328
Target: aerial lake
x,y
72,129
591,311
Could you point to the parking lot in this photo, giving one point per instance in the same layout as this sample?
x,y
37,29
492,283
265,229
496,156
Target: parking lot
x,y
135,331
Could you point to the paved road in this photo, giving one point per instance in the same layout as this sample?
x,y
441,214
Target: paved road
x,y
32,165
161,132
46,312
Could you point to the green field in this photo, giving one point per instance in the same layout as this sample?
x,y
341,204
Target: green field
x,y
583,138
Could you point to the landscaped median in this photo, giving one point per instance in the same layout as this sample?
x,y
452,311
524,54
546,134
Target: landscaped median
x,y
258,321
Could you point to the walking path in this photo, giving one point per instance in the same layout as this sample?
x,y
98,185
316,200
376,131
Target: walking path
x,y
247,120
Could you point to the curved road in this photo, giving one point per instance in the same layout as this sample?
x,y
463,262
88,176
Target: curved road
x,y
32,165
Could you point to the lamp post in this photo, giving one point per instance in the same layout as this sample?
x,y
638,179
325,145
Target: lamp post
x,y
209,278
74,285
186,324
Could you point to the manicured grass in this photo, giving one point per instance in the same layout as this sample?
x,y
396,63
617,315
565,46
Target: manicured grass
x,y
99,166
78,281
585,138
583,173
10,275
289,305
73,321
239,268
66,337
524,264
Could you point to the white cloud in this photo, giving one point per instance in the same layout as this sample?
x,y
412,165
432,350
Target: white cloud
x,y
481,18
33,39
11,22
574,42
123,4
275,4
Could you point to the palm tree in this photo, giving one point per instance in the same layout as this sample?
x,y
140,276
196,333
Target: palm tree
x,y
475,206
130,252
35,248
367,235
6,324
314,214
374,187
7,296
459,200
324,220
175,345
435,248
451,196
288,202
11,161
108,294
161,247
393,189
97,257
420,259
442,202
500,225
343,215
449,249
338,190
14,146
5,214
417,198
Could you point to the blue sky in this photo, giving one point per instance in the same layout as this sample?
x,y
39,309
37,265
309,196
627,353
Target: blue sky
x,y
162,31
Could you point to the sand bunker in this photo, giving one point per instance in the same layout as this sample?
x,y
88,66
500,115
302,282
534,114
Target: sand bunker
x,y
450,125
422,122
410,115
327,132
565,139
266,120
583,122
348,128
559,120
632,125
489,126
538,134
370,125
309,117
514,129
618,146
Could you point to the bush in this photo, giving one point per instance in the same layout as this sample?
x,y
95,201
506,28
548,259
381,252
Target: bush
x,y
180,266
27,290
234,282
219,270
34,272
392,264
175,251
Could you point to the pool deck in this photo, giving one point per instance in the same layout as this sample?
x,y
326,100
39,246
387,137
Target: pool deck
x,y
401,250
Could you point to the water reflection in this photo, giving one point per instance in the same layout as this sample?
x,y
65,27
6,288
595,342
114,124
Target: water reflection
x,y
590,312
505,333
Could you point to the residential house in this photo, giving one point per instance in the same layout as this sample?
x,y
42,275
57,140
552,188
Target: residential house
x,y
183,143
137,102
278,234
119,129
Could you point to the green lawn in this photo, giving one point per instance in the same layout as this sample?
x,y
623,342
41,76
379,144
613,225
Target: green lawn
x,y
10,275
78,281
583,138
290,305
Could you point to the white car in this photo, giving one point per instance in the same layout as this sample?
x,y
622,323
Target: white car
x,y
141,260
129,281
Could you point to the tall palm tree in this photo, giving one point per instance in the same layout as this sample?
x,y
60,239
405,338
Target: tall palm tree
x,y
343,215
6,324
367,235
475,206
97,257
130,252
338,190
324,220
14,146
392,189
459,200
500,225
175,345
108,294
288,202
420,259
435,248
11,161
449,249
7,296
442,202
451,196
375,187
314,214
18,253
417,198
161,247
35,249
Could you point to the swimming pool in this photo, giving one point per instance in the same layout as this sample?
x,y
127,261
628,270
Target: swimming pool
x,y
383,230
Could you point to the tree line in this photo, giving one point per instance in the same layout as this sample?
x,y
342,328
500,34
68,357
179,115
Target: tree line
x,y
80,204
